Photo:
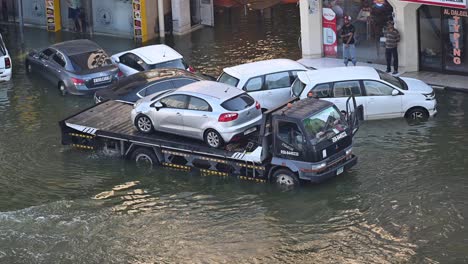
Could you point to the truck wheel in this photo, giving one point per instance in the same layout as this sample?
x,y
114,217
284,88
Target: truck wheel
x,y
144,158
417,113
213,139
285,178
144,124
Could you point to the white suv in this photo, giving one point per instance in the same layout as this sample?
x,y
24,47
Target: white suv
x,y
381,95
5,62
268,82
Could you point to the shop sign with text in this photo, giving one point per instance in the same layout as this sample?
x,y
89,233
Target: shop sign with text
x,y
446,3
330,45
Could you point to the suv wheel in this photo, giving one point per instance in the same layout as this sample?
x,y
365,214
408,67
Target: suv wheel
x,y
417,113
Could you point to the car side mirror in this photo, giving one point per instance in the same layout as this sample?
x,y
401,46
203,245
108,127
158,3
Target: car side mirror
x,y
158,105
116,60
395,92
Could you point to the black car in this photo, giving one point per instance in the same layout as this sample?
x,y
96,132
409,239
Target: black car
x,y
131,88
76,66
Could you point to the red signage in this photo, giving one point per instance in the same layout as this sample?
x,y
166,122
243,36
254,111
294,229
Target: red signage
x,y
447,3
330,44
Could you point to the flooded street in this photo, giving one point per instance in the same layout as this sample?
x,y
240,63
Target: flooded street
x,y
405,201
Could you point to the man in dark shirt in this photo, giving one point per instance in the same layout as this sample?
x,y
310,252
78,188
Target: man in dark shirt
x,y
392,37
347,36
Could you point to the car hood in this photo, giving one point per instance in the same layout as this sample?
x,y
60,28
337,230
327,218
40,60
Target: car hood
x,y
415,85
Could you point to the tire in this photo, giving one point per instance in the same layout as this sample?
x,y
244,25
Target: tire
x,y
285,178
417,113
62,88
144,124
144,158
213,138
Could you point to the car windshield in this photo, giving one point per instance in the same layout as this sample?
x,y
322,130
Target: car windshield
x,y
297,87
178,64
325,124
396,81
90,60
228,79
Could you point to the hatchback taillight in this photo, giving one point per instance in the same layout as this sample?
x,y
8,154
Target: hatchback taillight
x,y
77,81
257,105
226,117
191,69
7,63
120,74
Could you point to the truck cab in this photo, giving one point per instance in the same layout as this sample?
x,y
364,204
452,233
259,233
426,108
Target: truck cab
x,y
309,140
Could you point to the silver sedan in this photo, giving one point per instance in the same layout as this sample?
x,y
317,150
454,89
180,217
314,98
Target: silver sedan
x,y
214,112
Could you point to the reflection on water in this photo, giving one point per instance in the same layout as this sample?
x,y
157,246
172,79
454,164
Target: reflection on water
x,y
405,201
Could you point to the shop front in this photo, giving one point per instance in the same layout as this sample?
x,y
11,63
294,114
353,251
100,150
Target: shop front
x,y
443,39
368,17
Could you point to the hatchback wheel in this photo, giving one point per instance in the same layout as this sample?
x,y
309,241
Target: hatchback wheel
x,y
144,124
417,114
213,139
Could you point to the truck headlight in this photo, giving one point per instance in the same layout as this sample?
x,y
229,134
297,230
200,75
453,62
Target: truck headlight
x,y
319,166
349,151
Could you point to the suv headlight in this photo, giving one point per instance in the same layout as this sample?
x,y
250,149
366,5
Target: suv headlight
x,y
430,96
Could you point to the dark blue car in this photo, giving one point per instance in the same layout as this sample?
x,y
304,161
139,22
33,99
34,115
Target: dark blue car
x,y
131,88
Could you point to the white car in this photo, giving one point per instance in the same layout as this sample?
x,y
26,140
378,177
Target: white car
x,y
381,95
148,58
268,81
5,62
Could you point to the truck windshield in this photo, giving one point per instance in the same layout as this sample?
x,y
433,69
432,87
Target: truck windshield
x,y
325,124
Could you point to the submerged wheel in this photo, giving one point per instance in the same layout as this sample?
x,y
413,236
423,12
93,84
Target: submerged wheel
x,y
62,88
144,124
213,139
144,158
417,113
285,178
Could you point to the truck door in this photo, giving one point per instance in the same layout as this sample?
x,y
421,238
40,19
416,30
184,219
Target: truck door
x,y
206,12
289,142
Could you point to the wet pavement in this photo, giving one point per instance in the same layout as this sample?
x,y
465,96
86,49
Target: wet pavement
x,y
405,201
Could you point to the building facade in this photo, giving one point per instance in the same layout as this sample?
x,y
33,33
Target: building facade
x,y
433,37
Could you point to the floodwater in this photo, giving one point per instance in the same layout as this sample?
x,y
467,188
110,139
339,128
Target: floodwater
x,y
405,202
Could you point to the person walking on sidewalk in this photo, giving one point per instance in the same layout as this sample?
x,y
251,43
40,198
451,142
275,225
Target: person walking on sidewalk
x,y
392,37
347,35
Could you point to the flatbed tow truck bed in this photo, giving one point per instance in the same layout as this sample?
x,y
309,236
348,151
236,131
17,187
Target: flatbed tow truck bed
x,y
106,123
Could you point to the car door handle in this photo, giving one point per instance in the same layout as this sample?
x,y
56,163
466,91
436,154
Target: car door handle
x,y
205,116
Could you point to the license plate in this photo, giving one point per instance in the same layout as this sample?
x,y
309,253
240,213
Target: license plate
x,y
250,130
101,79
339,171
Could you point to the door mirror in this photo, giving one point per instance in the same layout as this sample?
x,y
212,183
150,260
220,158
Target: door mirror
x,y
395,92
116,60
158,105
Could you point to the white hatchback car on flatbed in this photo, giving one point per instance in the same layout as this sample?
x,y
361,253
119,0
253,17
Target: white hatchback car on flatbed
x,y
381,94
5,62
268,81
148,58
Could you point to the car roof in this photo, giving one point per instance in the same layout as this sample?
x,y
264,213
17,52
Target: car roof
x,y
78,46
211,89
302,109
156,53
338,74
252,69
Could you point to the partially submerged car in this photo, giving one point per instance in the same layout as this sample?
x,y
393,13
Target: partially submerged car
x,y
268,81
76,67
214,112
132,88
148,58
5,62
381,95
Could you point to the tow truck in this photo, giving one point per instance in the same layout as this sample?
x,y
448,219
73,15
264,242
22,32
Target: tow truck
x,y
307,140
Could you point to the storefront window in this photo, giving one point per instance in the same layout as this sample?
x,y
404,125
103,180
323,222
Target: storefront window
x,y
369,18
430,49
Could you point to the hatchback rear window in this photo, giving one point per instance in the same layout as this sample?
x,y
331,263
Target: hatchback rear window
x,y
238,103
228,79
90,60
178,64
